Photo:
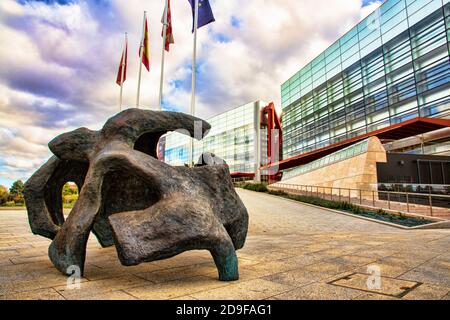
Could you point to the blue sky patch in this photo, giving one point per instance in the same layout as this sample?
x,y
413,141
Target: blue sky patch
x,y
222,38
235,22
50,2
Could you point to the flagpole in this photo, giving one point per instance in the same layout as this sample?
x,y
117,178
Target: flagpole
x,y
122,75
140,61
194,77
161,83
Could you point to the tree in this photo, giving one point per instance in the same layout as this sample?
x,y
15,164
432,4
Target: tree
x,y
4,195
70,189
69,193
16,192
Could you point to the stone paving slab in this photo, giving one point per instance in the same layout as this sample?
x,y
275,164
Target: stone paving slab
x,y
319,291
396,288
176,289
293,252
256,289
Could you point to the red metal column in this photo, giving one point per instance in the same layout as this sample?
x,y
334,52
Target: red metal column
x,y
272,122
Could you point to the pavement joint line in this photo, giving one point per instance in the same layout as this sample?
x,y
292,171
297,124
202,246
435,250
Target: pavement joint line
x,y
295,286
418,266
445,295
59,293
193,292
130,294
284,292
302,266
318,281
110,290
438,239
140,277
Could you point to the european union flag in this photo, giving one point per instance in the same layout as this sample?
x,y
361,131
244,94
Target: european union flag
x,y
205,14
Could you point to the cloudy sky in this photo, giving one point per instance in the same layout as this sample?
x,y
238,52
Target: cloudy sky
x,y
59,61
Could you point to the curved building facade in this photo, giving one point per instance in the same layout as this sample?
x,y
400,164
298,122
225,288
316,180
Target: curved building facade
x,y
392,67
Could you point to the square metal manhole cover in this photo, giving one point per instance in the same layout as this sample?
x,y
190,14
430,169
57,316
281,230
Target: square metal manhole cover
x,y
382,285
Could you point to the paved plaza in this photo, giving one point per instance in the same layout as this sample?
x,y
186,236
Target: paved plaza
x,y
293,251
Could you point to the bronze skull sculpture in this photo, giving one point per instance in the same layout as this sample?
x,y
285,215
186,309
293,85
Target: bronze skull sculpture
x,y
148,209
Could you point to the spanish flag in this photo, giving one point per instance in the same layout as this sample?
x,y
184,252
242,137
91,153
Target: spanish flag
x,y
122,73
169,32
146,47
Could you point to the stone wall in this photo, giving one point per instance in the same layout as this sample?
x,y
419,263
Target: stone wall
x,y
359,172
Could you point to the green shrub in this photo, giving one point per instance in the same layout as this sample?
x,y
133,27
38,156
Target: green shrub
x,y
72,198
279,193
330,204
10,204
258,187
68,205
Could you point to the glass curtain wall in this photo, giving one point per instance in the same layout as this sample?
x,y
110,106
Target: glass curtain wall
x,y
341,155
232,138
391,67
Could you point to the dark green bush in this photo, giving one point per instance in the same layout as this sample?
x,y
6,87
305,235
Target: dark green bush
x,y
345,206
258,187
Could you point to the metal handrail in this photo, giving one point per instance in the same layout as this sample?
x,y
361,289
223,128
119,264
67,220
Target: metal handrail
x,y
345,194
362,190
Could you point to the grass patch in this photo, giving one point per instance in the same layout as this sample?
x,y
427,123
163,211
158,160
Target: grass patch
x,y
380,214
68,205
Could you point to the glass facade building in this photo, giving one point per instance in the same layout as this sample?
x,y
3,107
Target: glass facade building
x,y
233,137
393,66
